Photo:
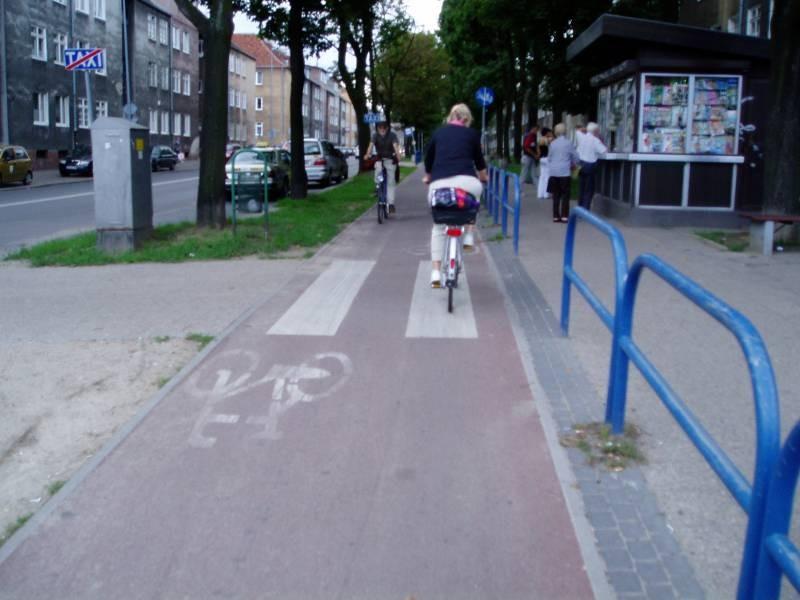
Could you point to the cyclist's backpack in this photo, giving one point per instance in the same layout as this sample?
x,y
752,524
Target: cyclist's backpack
x,y
454,206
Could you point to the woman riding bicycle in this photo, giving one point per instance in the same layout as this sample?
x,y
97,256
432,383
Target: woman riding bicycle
x,y
388,149
452,159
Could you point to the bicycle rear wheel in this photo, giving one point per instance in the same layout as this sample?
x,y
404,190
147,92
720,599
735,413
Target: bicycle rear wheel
x,y
380,213
450,299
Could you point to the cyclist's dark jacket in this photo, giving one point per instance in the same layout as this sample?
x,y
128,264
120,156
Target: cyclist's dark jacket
x,y
454,150
384,144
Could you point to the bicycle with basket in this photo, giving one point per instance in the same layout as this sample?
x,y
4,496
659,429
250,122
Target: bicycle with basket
x,y
455,208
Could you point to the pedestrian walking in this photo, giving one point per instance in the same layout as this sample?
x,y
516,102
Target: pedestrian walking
x,y
561,159
530,155
544,169
589,150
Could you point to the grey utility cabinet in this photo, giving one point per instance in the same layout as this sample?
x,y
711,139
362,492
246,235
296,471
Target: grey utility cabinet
x,y
123,193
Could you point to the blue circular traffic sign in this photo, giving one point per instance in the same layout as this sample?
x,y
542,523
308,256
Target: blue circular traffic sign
x,y
484,96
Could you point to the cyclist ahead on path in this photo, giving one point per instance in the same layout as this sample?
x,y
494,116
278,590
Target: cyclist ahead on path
x,y
453,159
387,148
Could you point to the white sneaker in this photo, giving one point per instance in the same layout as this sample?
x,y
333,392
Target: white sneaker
x,y
469,240
436,278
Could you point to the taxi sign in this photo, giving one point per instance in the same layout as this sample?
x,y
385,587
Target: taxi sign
x,y
84,59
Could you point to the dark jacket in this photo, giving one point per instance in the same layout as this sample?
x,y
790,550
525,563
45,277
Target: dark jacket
x,y
454,150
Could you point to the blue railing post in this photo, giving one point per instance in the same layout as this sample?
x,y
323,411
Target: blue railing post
x,y
517,210
504,204
570,277
751,497
778,554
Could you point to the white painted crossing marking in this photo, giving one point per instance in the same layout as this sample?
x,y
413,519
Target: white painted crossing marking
x,y
428,317
324,305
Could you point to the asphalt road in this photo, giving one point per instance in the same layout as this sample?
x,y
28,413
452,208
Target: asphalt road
x,y
29,215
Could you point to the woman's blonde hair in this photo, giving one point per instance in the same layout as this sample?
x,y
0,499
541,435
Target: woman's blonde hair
x,y
461,113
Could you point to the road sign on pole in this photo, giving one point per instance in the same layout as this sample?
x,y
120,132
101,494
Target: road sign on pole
x,y
484,96
84,59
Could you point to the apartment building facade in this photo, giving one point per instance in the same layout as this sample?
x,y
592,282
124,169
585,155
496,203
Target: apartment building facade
x,y
746,17
326,108
42,105
49,110
241,75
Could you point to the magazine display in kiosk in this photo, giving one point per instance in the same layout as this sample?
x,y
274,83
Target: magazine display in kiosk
x,y
667,125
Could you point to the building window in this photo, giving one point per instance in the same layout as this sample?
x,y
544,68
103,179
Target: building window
x,y
187,84
259,129
754,20
62,111
187,125
176,123
165,78
82,6
186,42
164,122
238,64
230,63
83,113
100,9
103,71
61,45
61,2
152,27
41,107
153,121
176,82
39,35
243,101
201,49
163,32
176,38
100,109
259,77
152,74
305,110
259,103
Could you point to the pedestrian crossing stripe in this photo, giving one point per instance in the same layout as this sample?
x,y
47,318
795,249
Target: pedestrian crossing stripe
x,y
428,316
321,309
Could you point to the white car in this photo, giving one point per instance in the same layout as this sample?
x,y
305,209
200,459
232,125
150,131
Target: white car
x,y
324,163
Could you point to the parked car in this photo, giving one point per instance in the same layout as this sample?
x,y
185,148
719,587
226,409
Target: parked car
x,y
230,149
324,163
78,162
347,151
163,157
250,172
15,165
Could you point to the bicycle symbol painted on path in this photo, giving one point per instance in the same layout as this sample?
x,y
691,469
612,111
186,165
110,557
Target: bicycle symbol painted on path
x,y
314,379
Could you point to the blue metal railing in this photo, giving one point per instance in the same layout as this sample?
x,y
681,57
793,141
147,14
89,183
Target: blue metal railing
x,y
778,554
572,278
752,498
498,203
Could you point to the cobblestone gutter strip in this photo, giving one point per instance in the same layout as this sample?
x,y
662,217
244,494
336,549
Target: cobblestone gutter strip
x,y
642,557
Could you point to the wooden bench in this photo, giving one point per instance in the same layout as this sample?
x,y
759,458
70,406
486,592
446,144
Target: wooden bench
x,y
763,230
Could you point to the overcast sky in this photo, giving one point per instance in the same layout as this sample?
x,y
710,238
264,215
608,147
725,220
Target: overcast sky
x,y
424,12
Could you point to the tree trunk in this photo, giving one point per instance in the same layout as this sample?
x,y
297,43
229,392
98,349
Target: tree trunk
x,y
214,133
507,127
499,126
354,82
782,152
297,66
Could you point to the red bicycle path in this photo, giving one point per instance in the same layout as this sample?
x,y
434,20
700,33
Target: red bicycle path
x,y
359,464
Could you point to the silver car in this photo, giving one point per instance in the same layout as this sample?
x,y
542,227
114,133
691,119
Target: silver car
x,y
324,163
